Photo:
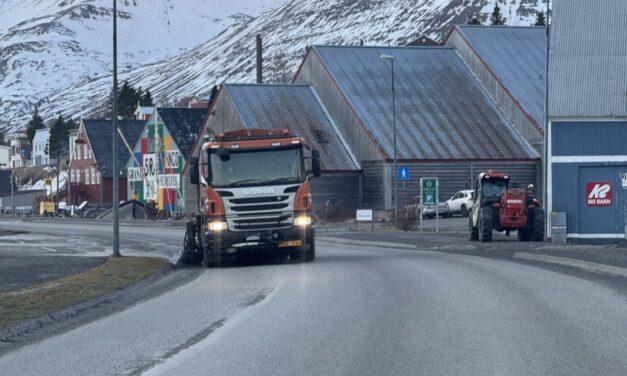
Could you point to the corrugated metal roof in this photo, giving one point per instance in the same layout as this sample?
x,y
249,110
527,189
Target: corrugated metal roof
x,y
588,59
184,125
516,55
297,108
100,135
442,111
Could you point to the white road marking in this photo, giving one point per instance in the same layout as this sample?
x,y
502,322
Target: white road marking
x,y
362,242
50,249
586,265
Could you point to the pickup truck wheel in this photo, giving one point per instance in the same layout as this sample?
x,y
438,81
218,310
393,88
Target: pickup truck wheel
x,y
464,211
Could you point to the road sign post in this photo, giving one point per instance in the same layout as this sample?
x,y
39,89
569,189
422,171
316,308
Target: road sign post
x,y
428,197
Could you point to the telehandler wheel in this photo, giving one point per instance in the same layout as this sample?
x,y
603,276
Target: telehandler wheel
x,y
537,232
485,225
473,232
524,234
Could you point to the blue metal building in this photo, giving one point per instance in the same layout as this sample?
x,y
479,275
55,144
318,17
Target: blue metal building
x,y
587,129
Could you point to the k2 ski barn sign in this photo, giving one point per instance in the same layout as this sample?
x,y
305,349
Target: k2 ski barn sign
x,y
599,194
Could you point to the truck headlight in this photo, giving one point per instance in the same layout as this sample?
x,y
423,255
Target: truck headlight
x,y
216,226
303,220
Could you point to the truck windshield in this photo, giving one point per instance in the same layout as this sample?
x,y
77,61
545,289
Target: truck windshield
x,y
259,167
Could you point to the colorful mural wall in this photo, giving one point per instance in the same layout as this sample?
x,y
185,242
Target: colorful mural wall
x,y
154,171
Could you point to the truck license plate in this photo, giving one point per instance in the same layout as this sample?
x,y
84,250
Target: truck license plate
x,y
291,243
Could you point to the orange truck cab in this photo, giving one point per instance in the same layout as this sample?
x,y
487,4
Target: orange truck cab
x,y
253,197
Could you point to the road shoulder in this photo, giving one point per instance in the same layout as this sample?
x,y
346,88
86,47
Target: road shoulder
x,y
129,289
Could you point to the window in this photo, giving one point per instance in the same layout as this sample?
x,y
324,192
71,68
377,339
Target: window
x,y
89,153
98,178
87,177
85,151
93,175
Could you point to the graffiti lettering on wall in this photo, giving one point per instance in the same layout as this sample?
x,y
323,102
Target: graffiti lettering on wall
x,y
150,177
172,158
134,174
169,181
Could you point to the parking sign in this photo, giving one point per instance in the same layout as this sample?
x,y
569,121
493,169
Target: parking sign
x,y
429,191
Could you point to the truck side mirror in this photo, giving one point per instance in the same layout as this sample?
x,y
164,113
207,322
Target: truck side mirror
x,y
193,172
315,163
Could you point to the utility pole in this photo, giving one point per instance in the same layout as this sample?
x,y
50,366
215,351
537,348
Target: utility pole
x,y
546,163
115,173
12,194
394,177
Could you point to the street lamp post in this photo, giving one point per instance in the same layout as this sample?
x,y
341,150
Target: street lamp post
x,y
391,59
115,174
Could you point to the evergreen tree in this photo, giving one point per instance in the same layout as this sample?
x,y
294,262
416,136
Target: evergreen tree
x,y
33,125
540,19
473,20
146,99
127,101
2,139
70,124
58,140
497,18
212,94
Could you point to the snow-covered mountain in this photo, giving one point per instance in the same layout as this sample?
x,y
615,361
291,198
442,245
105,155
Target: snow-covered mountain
x,y
46,45
287,30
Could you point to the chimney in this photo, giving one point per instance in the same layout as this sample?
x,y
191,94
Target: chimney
x,y
259,60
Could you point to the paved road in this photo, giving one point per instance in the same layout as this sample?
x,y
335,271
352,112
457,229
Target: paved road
x,y
357,310
95,239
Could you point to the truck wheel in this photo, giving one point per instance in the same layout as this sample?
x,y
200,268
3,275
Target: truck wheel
x,y
306,253
472,230
485,225
464,211
537,234
211,259
310,253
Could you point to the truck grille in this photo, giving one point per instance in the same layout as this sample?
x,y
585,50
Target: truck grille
x,y
259,212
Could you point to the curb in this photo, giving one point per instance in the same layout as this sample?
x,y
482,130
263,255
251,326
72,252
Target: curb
x,y
588,266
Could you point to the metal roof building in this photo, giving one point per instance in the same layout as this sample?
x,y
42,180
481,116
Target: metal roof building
x,y
91,170
510,61
100,135
587,153
448,125
588,59
299,109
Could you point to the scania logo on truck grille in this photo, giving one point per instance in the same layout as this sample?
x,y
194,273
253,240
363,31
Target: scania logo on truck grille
x,y
258,191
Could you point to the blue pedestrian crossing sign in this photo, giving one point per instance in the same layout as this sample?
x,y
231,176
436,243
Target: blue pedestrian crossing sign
x,y
403,173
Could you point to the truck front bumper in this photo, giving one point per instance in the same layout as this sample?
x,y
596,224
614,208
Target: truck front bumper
x,y
233,242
